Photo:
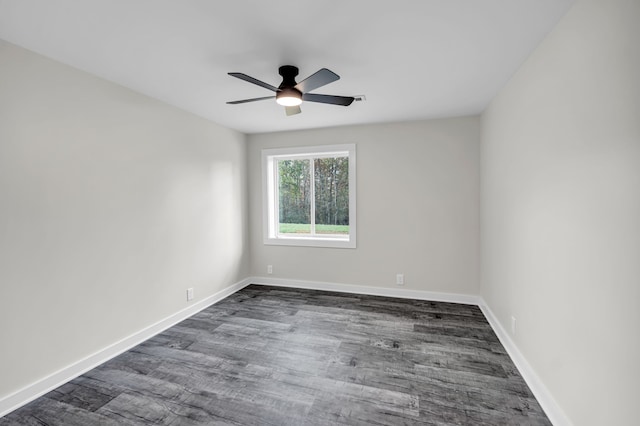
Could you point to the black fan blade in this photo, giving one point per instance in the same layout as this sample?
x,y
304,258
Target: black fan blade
x,y
244,101
319,79
253,80
328,99
292,110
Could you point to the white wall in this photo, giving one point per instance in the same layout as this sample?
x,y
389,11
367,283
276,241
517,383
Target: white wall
x,y
111,205
561,211
417,208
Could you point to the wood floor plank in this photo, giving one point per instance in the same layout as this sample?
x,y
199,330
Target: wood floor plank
x,y
139,409
280,356
46,411
83,396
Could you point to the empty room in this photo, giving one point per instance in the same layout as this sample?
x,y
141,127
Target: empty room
x,y
319,212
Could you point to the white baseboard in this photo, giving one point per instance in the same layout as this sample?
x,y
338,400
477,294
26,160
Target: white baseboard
x,y
547,402
401,293
62,376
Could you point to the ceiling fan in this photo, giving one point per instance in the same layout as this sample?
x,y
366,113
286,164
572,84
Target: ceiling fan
x,y
291,94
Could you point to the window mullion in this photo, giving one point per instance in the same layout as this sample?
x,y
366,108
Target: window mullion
x,y
275,220
312,194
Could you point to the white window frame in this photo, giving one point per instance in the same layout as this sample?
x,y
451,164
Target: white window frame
x,y
270,202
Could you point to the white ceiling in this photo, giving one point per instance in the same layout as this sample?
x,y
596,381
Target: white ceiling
x,y
412,59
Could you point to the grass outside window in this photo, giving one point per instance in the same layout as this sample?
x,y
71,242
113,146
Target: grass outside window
x,y
305,228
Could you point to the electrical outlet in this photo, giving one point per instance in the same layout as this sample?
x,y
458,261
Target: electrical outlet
x,y
513,325
189,294
399,279
269,269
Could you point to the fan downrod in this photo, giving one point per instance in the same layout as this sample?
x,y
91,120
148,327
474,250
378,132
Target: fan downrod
x,y
288,73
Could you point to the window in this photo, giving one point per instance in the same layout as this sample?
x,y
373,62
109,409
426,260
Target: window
x,y
310,196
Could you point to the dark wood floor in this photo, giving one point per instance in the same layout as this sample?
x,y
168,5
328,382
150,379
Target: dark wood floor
x,y
274,356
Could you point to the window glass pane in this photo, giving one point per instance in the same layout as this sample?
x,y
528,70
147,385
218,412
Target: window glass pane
x,y
294,189
332,195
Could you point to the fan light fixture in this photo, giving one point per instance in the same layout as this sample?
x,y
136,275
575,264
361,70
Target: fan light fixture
x,y
289,97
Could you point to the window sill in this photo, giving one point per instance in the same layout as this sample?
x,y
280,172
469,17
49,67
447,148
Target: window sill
x,y
329,242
